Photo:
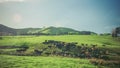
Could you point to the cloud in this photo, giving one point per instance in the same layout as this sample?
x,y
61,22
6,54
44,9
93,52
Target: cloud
x,y
3,1
26,1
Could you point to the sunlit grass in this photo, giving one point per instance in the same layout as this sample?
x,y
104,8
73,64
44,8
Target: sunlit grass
x,y
86,39
43,62
53,61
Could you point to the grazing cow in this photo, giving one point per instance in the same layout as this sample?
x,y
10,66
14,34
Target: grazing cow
x,y
21,50
49,46
45,42
38,52
47,53
105,57
70,49
87,54
58,45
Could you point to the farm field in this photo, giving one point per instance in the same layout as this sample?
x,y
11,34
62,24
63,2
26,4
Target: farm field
x,y
10,58
86,39
59,34
43,62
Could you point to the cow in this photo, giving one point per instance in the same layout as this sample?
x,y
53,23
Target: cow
x,y
21,50
38,52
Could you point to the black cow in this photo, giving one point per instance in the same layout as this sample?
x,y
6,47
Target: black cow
x,y
21,50
38,52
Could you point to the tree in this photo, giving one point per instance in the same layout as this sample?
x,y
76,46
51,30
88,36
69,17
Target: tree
x,y
116,32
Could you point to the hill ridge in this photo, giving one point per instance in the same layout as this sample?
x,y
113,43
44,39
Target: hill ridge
x,y
5,30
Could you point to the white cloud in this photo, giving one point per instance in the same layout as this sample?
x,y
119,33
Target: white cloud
x,y
29,1
3,1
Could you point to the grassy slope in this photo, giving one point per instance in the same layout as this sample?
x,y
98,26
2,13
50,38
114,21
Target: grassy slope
x,y
57,30
51,62
43,62
27,30
87,39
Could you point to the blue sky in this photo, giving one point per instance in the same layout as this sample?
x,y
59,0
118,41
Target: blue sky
x,y
91,15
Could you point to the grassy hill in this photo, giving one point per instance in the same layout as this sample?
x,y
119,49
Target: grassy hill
x,y
42,31
27,30
58,30
48,30
4,30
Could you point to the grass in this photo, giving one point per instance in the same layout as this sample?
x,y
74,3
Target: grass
x,y
87,39
43,62
7,61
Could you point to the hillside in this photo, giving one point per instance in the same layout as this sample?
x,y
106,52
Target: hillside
x,y
44,54
4,30
58,30
64,31
27,31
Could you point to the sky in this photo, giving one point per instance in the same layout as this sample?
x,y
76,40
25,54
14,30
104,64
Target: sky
x,y
99,16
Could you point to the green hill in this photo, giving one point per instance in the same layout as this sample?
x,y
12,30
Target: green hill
x,y
58,30
4,30
27,31
64,31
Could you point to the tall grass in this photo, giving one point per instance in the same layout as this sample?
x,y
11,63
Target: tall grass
x,y
87,39
53,62
43,62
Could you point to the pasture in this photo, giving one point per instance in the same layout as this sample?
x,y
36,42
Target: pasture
x,y
87,39
43,62
9,57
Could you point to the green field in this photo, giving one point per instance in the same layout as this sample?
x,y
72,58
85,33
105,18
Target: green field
x,y
12,61
86,39
43,62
